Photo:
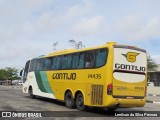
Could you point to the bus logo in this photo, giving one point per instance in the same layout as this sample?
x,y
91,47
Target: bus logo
x,y
131,56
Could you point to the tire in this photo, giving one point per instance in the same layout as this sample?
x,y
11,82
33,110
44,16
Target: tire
x,y
31,93
111,109
80,102
69,101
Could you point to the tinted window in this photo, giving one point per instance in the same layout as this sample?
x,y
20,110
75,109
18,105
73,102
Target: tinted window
x,y
59,62
47,63
66,63
87,59
38,64
75,60
90,59
32,66
54,63
101,57
26,71
81,60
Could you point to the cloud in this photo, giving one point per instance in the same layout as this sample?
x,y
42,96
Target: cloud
x,y
74,11
6,35
156,58
21,9
16,53
78,10
135,27
28,27
89,26
17,17
49,20
153,27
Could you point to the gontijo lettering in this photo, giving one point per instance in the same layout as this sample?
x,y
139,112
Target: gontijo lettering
x,y
64,76
129,67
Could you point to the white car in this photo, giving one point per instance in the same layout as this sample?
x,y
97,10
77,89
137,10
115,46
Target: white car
x,y
150,83
20,83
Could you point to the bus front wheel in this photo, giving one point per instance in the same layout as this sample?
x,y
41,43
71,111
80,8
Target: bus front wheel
x,y
80,102
31,93
69,101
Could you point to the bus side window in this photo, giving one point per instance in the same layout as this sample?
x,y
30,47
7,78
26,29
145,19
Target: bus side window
x,y
59,62
42,64
26,71
47,63
81,60
75,61
69,61
64,62
101,57
32,65
90,59
38,65
54,63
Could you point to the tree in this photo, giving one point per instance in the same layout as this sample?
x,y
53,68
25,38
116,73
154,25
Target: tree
x,y
9,74
151,64
3,74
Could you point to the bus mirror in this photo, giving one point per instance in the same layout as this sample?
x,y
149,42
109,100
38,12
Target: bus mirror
x,y
21,72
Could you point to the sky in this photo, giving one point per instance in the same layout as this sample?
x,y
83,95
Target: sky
x,y
29,28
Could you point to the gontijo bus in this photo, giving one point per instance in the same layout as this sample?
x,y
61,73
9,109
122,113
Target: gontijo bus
x,y
110,76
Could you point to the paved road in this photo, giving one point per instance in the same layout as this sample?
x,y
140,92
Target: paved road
x,y
12,99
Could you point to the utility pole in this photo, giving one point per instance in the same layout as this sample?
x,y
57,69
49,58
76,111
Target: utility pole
x,y
55,45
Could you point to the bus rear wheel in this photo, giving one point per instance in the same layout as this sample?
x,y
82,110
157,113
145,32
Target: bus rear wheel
x,y
110,109
80,102
69,101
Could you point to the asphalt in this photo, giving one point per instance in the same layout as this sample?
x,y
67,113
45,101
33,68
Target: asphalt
x,y
152,96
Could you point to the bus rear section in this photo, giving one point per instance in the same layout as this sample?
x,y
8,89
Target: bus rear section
x,y
129,76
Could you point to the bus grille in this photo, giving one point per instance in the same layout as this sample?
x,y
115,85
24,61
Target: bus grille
x,y
97,95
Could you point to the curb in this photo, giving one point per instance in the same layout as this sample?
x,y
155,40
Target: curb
x,y
153,102
152,95
13,86
149,101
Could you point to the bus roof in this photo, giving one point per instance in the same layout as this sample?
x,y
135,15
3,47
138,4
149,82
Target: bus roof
x,y
79,50
108,44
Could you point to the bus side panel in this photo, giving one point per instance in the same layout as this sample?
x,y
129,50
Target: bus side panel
x,y
88,81
39,83
60,83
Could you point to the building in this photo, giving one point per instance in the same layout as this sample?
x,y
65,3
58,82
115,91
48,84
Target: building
x,y
154,76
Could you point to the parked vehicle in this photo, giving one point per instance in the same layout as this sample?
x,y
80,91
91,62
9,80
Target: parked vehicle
x,y
1,82
20,83
150,83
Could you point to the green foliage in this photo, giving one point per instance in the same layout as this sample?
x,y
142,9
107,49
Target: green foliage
x,y
151,64
9,74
